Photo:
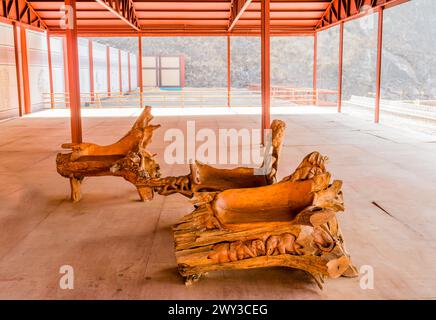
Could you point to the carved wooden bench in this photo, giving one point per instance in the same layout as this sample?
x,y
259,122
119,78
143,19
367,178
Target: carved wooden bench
x,y
127,158
203,177
291,223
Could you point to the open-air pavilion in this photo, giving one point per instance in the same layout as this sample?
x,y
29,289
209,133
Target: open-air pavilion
x,y
122,248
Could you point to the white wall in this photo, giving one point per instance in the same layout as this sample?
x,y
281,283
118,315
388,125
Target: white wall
x,y
125,70
57,61
8,77
38,70
100,67
134,70
115,78
84,67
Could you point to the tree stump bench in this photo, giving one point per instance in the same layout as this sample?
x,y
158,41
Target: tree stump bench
x,y
291,223
127,158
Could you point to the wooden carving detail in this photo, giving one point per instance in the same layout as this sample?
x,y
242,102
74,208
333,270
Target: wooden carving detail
x,y
127,158
278,133
170,185
237,250
205,178
291,223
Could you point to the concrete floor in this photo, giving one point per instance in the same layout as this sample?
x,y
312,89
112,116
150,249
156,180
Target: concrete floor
x,y
122,248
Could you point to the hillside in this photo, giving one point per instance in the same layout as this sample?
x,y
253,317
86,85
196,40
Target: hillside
x,y
409,61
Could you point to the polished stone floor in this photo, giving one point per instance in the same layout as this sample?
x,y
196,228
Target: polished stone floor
x,y
122,248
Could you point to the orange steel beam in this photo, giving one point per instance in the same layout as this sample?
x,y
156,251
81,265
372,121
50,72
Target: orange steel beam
x,y
140,71
108,70
345,10
265,67
129,71
25,71
237,9
124,10
73,73
379,65
340,64
120,75
50,71
229,77
22,12
315,67
185,32
91,70
17,69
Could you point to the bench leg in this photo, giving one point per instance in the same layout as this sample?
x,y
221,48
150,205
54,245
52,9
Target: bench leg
x,y
76,193
145,193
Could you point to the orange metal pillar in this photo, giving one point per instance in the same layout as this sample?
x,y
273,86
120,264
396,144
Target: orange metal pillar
x,y
91,70
140,70
108,70
265,57
50,71
17,69
25,71
120,75
315,67
73,73
229,78
340,63
129,71
379,62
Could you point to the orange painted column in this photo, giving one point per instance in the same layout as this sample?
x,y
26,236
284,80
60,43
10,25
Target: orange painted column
x,y
73,73
17,69
229,77
379,65
108,70
25,71
315,67
120,70
129,71
265,65
91,70
50,71
140,71
340,64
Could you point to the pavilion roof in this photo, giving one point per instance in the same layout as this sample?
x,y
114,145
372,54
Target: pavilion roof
x,y
191,17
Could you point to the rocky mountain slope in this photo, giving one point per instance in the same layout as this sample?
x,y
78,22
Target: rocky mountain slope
x,y
409,56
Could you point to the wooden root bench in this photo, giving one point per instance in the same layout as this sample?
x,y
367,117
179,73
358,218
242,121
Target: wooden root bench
x,y
242,219
127,158
291,224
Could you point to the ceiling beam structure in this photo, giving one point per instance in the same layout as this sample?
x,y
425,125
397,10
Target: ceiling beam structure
x,y
124,10
237,9
343,10
20,11
118,18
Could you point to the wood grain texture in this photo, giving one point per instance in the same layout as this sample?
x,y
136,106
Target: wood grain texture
x,y
291,223
127,158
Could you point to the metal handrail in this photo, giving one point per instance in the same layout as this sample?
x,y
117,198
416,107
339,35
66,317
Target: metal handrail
x,y
200,96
